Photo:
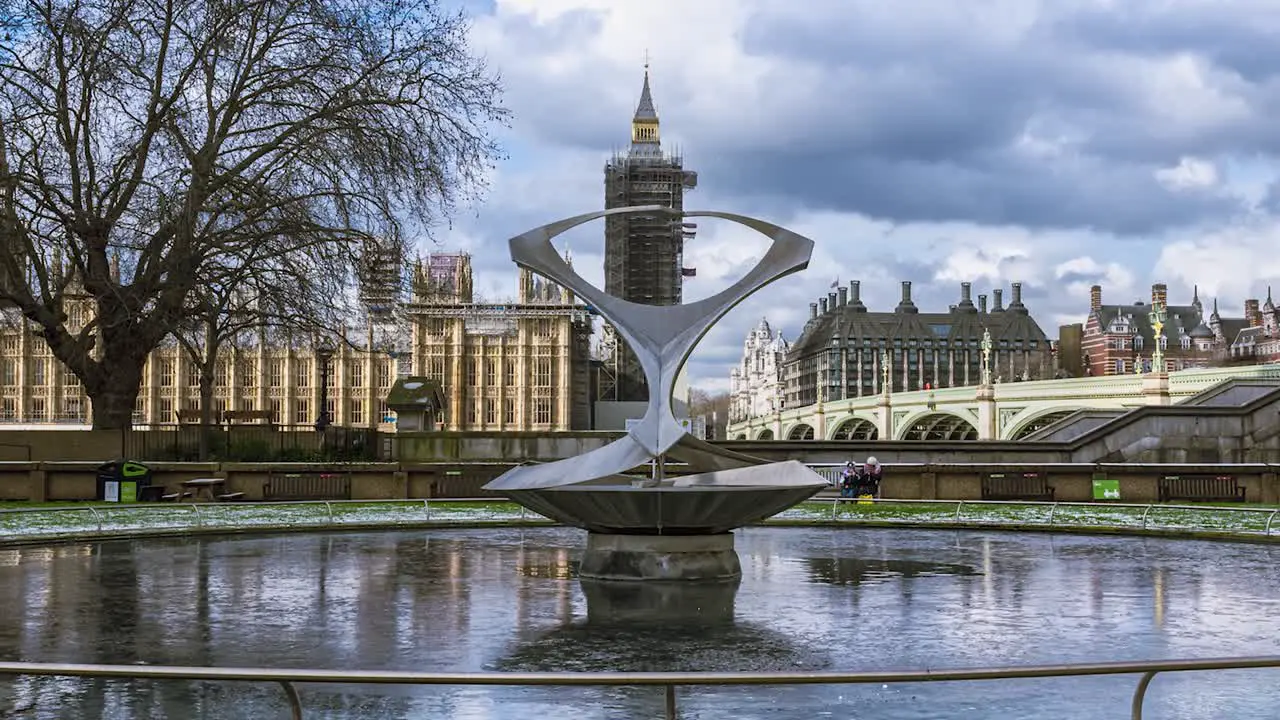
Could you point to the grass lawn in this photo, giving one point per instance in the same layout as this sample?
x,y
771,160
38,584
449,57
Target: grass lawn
x,y
62,519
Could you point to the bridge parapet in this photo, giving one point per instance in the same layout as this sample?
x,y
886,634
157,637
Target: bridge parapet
x,y
1018,408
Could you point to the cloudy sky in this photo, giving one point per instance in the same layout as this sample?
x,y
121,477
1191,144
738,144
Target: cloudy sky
x,y
1059,143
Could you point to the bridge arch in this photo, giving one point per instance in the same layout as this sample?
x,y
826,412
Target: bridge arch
x,y
1038,421
765,434
801,431
740,436
856,428
939,426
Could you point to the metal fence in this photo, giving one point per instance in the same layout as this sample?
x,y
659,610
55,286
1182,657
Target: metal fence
x,y
668,681
251,443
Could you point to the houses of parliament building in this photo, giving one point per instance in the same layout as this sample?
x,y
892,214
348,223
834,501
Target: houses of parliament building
x,y
521,365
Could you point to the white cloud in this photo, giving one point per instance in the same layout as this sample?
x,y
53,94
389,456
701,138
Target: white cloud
x,y
1189,174
1044,143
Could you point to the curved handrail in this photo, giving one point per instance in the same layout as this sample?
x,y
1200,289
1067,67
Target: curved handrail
x,y
669,681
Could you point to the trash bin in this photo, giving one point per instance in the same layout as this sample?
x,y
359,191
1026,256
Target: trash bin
x,y
122,481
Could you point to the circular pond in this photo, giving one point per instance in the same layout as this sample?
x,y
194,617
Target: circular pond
x,y
844,599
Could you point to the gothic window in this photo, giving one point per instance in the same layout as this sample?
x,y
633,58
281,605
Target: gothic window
x,y
275,373
384,374
355,414
302,411
38,369
166,373
9,371
356,371
509,410
542,411
249,372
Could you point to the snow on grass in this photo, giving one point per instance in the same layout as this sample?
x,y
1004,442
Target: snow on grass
x,y
1240,519
95,519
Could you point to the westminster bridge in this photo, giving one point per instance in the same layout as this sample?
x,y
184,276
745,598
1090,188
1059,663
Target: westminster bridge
x,y
1003,411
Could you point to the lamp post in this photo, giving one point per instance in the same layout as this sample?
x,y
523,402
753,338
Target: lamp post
x,y
324,354
1157,317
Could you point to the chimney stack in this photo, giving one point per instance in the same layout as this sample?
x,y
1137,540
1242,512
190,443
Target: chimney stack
x,y
1160,294
831,301
823,303
813,311
982,303
906,306
855,295
1095,298
1252,313
997,300
1016,305
966,290
844,296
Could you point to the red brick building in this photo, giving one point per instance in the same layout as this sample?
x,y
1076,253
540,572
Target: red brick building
x,y
1116,337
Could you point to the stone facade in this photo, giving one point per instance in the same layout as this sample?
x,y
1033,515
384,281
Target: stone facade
x,y
842,350
1119,339
755,385
508,366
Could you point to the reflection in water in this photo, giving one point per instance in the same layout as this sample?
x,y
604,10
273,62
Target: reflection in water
x,y
466,600
854,571
645,627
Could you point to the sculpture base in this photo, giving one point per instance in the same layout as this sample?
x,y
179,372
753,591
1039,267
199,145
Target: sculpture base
x,y
700,604
705,558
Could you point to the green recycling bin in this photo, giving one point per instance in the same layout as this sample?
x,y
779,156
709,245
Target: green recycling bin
x,y
121,481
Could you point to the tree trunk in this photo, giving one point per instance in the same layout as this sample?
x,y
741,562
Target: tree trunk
x,y
115,394
207,370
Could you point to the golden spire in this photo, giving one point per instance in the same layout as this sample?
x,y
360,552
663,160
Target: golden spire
x,y
644,125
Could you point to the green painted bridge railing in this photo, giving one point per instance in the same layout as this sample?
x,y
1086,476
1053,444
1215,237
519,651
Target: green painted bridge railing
x,y
97,520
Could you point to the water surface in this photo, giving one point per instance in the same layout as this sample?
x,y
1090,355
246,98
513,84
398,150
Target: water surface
x,y
506,599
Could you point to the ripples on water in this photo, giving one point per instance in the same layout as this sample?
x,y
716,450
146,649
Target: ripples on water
x,y
504,600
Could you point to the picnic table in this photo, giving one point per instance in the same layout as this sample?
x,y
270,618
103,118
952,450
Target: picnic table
x,y
211,489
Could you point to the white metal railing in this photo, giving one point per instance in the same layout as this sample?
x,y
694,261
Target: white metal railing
x,y
668,681
30,524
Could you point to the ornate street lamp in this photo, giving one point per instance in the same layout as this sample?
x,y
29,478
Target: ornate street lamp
x,y
1157,316
324,354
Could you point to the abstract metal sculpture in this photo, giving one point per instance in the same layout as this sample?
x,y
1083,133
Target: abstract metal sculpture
x,y
723,489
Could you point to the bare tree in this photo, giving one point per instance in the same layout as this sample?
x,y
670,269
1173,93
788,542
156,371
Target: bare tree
x,y
262,299
714,406
148,134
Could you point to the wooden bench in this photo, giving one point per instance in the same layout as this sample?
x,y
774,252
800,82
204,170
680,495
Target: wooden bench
x,y
307,486
1222,488
1016,486
229,497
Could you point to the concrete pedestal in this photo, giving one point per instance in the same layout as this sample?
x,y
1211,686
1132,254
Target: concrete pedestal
x,y
701,604
660,557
